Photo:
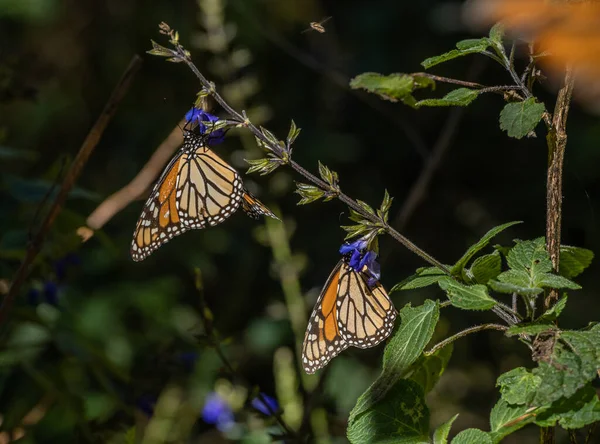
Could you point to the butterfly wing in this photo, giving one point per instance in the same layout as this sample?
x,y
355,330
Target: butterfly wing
x,y
208,189
254,207
323,340
160,219
365,315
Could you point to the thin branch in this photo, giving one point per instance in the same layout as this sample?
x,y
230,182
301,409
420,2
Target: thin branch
x,y
216,344
276,149
88,146
473,85
464,333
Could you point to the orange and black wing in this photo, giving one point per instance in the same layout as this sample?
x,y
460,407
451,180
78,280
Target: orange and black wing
x,y
254,207
323,340
159,220
365,315
208,189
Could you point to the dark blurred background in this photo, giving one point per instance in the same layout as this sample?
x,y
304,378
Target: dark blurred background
x,y
60,59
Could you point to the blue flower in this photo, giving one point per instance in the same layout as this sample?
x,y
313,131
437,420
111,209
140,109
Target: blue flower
x,y
197,115
61,265
373,267
358,245
217,411
265,404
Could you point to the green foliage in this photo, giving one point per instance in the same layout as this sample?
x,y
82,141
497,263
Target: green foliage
x,y
308,193
506,419
405,347
518,386
573,260
484,268
457,97
472,436
574,412
478,246
423,278
520,118
293,133
533,328
392,87
467,297
530,271
441,433
399,416
428,369
464,47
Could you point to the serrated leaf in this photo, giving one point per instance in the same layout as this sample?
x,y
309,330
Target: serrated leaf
x,y
554,312
508,288
497,34
520,118
530,255
441,433
568,369
467,297
486,267
428,370
575,412
464,47
549,280
457,97
472,436
403,349
393,87
506,419
533,328
573,260
423,278
518,386
401,416
480,245
263,166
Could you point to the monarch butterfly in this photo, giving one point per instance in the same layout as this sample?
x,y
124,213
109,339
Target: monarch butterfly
x,y
196,189
317,26
349,312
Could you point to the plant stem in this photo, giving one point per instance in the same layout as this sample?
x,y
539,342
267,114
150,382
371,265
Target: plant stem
x,y
557,142
277,150
464,333
473,85
88,146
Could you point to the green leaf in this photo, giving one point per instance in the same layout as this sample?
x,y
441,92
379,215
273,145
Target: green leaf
x,y
480,245
428,370
292,134
554,312
385,206
520,118
549,280
401,416
573,260
497,34
509,288
504,419
486,267
532,329
472,436
263,166
423,278
575,412
403,349
457,97
393,87
365,206
464,47
441,433
309,193
331,177
467,297
568,367
518,386
159,50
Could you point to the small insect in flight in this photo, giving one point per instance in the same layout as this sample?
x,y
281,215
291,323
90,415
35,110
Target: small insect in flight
x,y
317,26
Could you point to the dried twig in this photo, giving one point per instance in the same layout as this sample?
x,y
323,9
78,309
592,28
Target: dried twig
x,y
88,146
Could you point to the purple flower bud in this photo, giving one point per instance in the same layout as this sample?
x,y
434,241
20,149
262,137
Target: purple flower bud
x,y
216,411
265,404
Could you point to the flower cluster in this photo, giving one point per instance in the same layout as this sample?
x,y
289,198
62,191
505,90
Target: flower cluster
x,y
362,260
52,287
201,117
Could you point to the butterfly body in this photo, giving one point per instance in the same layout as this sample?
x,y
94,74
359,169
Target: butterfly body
x,y
197,189
348,312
